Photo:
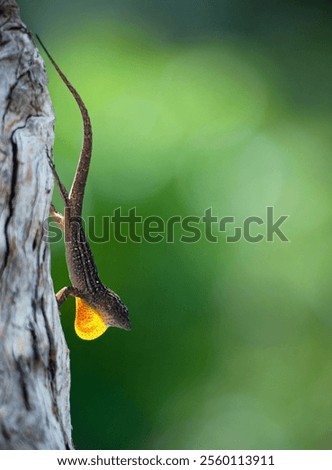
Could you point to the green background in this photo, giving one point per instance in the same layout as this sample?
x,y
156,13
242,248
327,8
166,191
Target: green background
x,y
197,104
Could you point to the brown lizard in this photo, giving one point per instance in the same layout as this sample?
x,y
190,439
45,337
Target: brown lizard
x,y
97,307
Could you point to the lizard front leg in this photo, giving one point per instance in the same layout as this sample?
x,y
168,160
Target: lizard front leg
x,y
89,323
64,293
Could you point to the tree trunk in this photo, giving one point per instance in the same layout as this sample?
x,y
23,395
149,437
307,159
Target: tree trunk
x,y
34,359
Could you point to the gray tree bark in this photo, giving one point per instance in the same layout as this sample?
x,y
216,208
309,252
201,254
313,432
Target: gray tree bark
x,y
34,359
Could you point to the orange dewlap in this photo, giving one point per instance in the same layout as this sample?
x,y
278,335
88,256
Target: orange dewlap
x,y
89,324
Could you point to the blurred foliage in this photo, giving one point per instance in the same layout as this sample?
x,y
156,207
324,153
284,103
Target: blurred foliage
x,y
195,105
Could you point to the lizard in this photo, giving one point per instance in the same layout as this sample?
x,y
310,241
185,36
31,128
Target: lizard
x,y
97,307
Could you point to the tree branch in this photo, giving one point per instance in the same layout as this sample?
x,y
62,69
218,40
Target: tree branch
x,y
34,365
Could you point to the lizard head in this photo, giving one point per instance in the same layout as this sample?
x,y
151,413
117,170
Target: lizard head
x,y
115,310
94,316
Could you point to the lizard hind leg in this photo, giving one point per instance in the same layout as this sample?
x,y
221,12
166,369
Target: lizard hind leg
x,y
57,217
63,190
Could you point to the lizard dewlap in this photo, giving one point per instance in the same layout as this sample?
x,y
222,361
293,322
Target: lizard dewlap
x,y
89,324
